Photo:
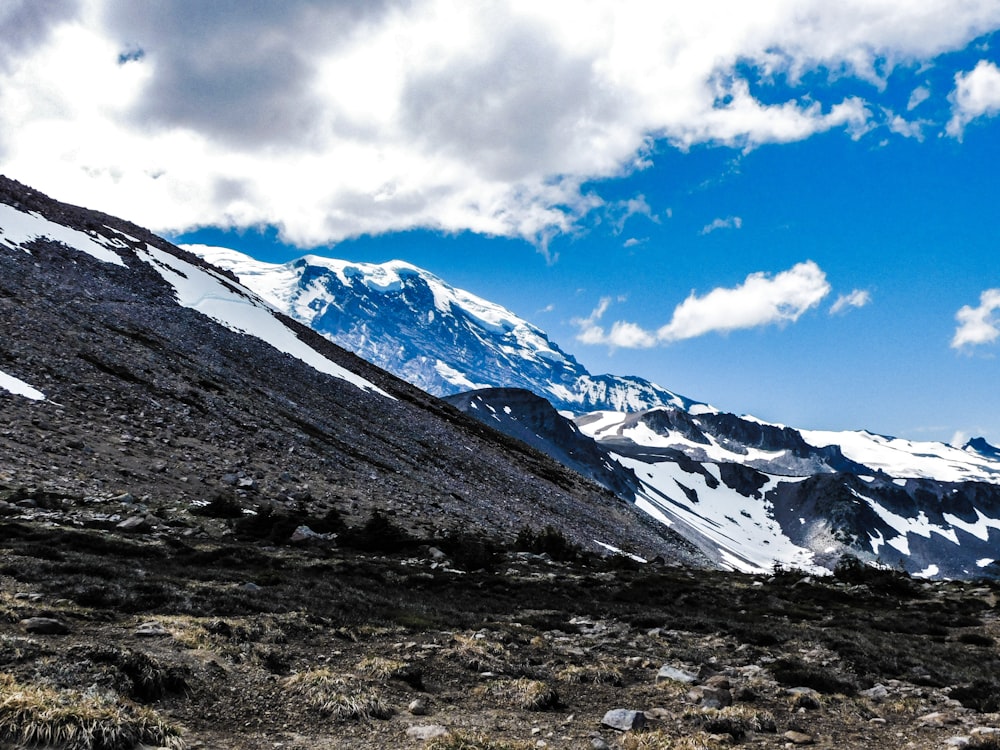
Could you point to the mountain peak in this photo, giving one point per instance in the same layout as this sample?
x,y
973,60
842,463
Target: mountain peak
x,y
393,314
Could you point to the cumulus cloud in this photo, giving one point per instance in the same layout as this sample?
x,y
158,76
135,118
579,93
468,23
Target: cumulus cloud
x,y
976,94
24,24
857,298
730,222
978,325
760,300
331,119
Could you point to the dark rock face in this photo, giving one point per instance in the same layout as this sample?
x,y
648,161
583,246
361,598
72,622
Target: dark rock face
x,y
149,398
525,416
883,519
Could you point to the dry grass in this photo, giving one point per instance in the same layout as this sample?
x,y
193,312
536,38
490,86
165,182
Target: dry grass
x,y
483,655
384,669
736,721
591,674
459,741
659,739
530,695
32,715
335,696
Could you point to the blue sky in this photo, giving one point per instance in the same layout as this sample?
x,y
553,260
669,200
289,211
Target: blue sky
x,y
784,209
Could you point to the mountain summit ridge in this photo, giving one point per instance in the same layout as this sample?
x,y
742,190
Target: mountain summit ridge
x,y
442,339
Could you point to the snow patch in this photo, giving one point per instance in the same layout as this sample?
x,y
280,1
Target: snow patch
x,y
18,228
240,310
19,388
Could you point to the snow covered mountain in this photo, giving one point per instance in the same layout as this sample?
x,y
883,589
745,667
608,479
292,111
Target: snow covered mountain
x,y
439,338
751,495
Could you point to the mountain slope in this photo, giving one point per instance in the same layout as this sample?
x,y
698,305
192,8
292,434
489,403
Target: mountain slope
x,y
137,370
442,339
751,495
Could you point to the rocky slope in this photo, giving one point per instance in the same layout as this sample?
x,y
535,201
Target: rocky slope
x,y
166,380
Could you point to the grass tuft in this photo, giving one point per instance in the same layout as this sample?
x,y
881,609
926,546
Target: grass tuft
x,y
530,695
334,696
460,741
31,715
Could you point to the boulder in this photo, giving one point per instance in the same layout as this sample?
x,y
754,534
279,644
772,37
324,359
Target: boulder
x,y
624,719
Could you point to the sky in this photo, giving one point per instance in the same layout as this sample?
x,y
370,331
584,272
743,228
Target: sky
x,y
787,209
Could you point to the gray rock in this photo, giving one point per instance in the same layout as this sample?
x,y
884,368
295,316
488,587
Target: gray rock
x,y
878,693
44,626
151,630
624,719
598,743
677,675
303,533
418,707
798,738
134,524
426,731
709,697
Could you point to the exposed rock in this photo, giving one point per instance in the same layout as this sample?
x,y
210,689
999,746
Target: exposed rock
x,y
877,693
936,719
418,707
134,524
426,731
624,719
668,672
798,738
151,629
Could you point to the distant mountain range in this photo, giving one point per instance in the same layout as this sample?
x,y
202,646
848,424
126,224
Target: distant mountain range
x,y
749,494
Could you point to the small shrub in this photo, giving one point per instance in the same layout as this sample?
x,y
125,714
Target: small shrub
x,y
378,534
659,739
469,551
549,541
796,673
975,639
736,721
135,674
980,695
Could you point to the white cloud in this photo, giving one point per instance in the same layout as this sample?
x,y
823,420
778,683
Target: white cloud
x,y
759,301
635,242
730,222
334,119
904,127
918,96
977,93
857,298
978,325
